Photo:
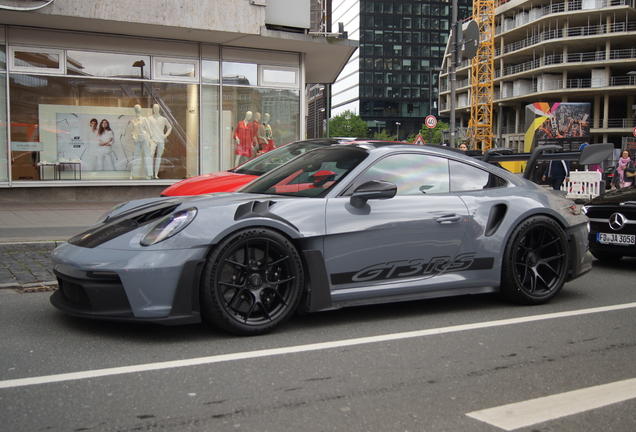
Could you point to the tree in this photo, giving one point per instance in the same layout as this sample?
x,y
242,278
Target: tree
x,y
384,136
348,124
431,135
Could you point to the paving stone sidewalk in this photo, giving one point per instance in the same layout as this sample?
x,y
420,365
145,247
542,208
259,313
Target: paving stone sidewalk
x,y
31,270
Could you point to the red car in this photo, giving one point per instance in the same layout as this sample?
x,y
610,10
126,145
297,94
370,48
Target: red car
x,y
232,180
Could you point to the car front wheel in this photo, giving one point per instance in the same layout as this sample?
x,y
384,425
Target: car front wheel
x,y
252,282
536,261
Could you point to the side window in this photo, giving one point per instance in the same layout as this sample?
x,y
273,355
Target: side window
x,y
466,177
413,174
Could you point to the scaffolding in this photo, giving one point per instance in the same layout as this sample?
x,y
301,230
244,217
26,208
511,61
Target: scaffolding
x,y
482,77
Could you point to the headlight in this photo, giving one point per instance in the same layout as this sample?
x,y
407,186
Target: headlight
x,y
169,226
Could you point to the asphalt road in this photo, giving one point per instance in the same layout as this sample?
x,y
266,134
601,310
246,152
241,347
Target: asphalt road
x,y
435,365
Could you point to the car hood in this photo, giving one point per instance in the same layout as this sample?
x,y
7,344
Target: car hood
x,y
222,181
616,196
217,215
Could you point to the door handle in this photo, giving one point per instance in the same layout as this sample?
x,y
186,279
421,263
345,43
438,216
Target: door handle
x,y
448,219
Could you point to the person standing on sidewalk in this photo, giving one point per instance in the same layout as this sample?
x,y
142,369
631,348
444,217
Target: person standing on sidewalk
x,y
557,172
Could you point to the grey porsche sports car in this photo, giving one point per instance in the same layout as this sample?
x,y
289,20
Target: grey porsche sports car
x,y
346,225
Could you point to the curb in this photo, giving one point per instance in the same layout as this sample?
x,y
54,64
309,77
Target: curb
x,y
30,246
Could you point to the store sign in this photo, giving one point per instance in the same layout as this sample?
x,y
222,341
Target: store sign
x,y
26,8
26,146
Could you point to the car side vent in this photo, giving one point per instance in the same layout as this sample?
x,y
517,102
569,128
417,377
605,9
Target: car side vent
x,y
496,217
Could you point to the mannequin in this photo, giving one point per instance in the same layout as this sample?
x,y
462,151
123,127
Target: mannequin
x,y
243,138
269,135
141,136
160,128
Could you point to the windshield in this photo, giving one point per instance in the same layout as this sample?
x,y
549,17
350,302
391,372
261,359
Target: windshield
x,y
275,158
312,174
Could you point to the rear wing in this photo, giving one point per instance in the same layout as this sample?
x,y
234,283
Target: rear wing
x,y
591,154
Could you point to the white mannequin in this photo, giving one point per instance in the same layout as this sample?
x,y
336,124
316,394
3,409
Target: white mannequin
x,y
141,136
241,130
160,128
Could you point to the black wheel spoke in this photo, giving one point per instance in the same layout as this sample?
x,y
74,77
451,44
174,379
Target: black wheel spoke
x,y
539,255
257,281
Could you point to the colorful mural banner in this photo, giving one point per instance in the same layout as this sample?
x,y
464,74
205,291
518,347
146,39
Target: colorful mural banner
x,y
561,123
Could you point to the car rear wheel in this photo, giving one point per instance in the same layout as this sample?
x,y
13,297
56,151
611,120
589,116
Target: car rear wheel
x,y
536,261
252,282
606,257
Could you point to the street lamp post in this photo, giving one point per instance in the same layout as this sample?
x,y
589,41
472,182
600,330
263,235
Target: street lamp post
x,y
430,88
398,130
377,124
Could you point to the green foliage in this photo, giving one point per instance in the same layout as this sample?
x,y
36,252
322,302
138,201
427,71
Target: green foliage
x,y
348,124
384,135
431,136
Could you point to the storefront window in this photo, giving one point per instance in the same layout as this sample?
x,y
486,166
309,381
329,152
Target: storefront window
x,y
96,64
168,114
4,175
235,73
71,128
210,148
45,60
259,120
210,71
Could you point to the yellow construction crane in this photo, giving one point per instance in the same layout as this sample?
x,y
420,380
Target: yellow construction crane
x,y
480,127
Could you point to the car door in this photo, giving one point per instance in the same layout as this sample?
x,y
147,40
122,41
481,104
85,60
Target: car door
x,y
394,246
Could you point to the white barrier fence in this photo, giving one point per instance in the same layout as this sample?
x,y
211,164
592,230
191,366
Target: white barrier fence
x,y
583,185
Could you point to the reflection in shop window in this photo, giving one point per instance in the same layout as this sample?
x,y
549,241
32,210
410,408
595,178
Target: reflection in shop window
x,y
42,60
210,71
107,64
235,73
176,70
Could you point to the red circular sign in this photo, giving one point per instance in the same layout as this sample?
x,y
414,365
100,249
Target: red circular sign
x,y
431,121
635,131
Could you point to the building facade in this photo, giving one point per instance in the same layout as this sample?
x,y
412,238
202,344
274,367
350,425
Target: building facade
x,y
578,54
119,93
391,81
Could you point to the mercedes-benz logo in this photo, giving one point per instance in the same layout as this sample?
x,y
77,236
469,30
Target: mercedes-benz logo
x,y
617,221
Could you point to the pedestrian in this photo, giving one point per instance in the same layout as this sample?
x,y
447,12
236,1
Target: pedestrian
x,y
622,178
463,147
557,172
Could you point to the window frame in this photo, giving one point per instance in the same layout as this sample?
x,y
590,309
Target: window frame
x,y
12,67
156,75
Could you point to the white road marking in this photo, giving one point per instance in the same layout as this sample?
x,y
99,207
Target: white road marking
x,y
21,382
528,413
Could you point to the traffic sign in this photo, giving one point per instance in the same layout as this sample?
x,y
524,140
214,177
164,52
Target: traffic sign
x,y
431,121
635,131
419,140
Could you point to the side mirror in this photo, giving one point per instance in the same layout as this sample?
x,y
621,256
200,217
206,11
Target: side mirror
x,y
374,189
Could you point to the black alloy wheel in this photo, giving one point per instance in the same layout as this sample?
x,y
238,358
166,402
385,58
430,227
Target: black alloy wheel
x,y
536,261
252,282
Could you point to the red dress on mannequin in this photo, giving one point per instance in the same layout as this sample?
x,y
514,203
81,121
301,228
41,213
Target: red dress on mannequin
x,y
245,133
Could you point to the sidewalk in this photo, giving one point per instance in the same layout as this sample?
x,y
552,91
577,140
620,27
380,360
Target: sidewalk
x,y
30,231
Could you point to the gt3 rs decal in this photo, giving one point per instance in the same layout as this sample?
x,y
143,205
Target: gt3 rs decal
x,y
413,268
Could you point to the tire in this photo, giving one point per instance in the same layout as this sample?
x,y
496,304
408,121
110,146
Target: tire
x,y
606,256
536,261
252,282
